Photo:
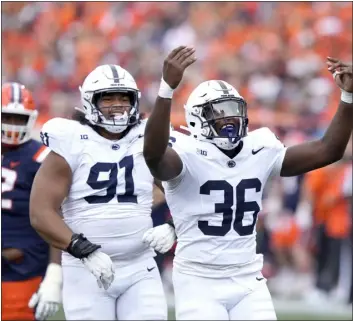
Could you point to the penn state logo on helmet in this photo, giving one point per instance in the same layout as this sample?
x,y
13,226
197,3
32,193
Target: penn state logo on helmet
x,y
110,79
215,112
18,114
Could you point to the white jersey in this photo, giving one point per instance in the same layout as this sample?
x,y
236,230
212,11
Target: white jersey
x,y
215,202
110,197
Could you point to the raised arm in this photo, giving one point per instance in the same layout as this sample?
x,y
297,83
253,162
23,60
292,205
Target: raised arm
x,y
163,162
305,157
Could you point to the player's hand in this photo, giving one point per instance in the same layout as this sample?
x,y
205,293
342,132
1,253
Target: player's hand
x,y
161,238
48,298
101,266
342,73
176,63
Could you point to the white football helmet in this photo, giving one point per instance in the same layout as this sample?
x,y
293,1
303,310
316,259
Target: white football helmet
x,y
212,101
110,78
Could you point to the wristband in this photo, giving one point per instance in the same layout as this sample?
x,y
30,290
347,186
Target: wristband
x,y
164,90
346,97
80,247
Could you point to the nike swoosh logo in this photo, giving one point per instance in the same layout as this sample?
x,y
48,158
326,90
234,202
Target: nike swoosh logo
x,y
254,152
14,164
203,95
150,269
140,136
259,279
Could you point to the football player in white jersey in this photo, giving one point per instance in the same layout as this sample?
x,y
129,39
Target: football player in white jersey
x,y
97,177
213,182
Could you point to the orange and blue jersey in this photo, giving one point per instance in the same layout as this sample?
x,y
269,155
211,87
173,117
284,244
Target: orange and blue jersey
x,y
19,167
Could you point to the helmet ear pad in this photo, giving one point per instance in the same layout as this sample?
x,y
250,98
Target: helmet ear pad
x,y
92,116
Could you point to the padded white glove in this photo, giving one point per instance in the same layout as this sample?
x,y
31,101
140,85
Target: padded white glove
x,y
49,295
101,266
161,237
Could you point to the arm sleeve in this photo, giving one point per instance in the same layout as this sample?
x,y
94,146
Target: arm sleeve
x,y
57,135
41,154
38,158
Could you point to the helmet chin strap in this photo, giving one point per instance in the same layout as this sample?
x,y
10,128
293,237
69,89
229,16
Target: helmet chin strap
x,y
223,143
115,127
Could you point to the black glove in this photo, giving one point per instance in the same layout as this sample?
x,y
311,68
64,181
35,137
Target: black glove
x,y
80,247
170,222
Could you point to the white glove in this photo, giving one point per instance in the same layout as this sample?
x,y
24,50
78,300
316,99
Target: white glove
x,y
101,266
49,296
161,237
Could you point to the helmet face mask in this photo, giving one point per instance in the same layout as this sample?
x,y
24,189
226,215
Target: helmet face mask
x,y
217,118
103,81
122,115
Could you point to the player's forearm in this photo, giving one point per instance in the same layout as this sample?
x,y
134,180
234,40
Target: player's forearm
x,y
338,133
157,131
51,228
55,255
312,155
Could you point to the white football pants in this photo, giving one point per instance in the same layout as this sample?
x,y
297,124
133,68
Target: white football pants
x,y
244,297
135,294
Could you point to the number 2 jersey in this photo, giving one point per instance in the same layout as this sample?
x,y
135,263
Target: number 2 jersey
x,y
215,202
110,197
18,168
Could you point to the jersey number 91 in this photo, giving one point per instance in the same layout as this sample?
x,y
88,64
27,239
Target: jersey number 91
x,y
111,184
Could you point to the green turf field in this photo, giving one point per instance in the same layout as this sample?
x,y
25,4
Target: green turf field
x,y
60,316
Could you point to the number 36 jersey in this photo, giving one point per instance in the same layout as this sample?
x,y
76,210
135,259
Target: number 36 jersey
x,y
110,197
215,202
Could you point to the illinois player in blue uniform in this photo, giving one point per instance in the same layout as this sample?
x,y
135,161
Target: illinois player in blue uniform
x,y
25,255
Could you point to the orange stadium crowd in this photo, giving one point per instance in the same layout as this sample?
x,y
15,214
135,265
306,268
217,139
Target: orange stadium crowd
x,y
273,53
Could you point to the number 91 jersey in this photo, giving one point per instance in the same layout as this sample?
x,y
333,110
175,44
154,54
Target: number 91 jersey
x,y
215,202
110,197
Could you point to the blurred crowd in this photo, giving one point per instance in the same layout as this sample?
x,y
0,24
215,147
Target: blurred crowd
x,y
272,52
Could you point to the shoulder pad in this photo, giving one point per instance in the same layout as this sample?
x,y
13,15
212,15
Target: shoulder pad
x,y
57,134
179,139
265,137
57,128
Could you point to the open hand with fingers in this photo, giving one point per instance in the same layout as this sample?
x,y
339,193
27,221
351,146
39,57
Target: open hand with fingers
x,y
342,73
176,63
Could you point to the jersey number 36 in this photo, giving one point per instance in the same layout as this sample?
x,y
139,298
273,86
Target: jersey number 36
x,y
226,207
